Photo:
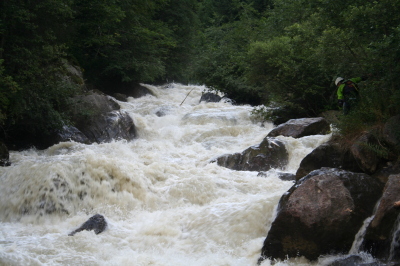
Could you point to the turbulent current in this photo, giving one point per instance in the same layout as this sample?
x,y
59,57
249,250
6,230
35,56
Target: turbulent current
x,y
164,201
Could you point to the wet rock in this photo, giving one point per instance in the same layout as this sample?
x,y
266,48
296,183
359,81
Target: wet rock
x,y
389,169
100,119
270,153
210,97
384,227
4,155
391,132
298,128
321,214
97,223
330,154
282,175
70,133
365,154
120,97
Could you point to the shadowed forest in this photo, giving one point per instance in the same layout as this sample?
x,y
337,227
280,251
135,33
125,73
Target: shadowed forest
x,y
284,53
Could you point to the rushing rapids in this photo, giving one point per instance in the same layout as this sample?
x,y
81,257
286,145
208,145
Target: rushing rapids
x,y
164,202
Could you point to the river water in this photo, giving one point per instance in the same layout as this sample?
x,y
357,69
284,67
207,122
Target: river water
x,y
165,203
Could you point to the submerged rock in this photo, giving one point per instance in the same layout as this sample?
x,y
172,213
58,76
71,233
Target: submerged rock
x,y
97,223
321,214
282,175
302,127
270,153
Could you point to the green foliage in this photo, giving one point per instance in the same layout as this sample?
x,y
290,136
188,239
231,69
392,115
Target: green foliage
x,y
280,52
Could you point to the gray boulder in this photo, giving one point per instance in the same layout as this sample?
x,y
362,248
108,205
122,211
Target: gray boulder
x,y
302,127
383,232
321,214
270,153
100,119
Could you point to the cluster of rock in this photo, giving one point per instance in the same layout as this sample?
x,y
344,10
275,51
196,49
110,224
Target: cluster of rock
x,y
336,189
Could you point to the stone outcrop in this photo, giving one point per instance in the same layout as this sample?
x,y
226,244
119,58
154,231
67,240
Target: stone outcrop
x,y
321,214
302,127
99,119
270,153
384,226
330,154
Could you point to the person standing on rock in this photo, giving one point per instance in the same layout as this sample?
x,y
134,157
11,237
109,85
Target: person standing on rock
x,y
348,92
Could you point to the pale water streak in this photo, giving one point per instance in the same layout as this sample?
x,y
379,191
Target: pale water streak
x,y
164,202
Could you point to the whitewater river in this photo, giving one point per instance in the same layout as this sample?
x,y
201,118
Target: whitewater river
x,y
164,202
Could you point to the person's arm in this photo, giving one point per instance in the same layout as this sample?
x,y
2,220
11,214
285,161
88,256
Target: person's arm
x,y
356,80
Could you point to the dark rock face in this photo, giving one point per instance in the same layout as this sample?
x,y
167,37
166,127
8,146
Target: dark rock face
x,y
271,153
383,227
329,154
4,155
321,214
298,128
99,119
97,223
210,97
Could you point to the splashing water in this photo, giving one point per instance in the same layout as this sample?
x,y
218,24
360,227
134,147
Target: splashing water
x,y
164,202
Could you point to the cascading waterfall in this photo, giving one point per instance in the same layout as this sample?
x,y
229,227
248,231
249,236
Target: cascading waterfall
x,y
164,202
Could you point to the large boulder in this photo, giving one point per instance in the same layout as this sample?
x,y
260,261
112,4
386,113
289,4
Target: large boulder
x,y
321,214
210,97
4,155
330,154
100,119
366,150
383,228
270,153
302,127
391,132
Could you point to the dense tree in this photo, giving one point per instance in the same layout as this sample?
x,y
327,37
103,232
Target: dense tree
x,y
255,51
